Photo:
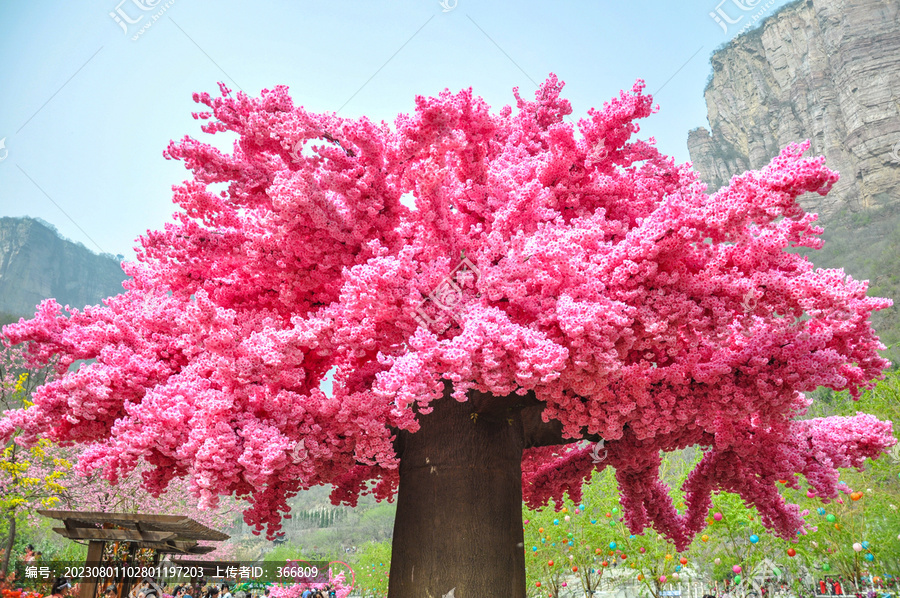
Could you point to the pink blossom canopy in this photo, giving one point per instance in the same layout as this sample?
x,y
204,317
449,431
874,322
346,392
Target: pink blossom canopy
x,y
608,285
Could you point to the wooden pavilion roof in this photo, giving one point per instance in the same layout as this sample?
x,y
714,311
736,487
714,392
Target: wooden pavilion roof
x,y
164,533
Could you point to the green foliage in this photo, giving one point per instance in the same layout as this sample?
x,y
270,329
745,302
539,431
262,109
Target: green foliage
x,y
835,526
372,564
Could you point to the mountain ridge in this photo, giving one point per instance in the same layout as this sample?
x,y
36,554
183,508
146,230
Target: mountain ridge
x,y
37,263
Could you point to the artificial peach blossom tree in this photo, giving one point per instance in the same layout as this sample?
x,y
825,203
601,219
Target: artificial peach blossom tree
x,y
487,291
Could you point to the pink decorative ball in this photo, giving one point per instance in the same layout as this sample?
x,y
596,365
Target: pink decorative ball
x,y
717,517
736,569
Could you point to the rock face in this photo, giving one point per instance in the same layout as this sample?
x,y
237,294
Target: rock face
x,y
823,70
36,263
827,71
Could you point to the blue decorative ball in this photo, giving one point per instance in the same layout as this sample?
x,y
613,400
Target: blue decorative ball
x,y
754,538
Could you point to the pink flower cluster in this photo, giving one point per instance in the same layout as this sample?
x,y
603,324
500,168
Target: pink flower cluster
x,y
634,305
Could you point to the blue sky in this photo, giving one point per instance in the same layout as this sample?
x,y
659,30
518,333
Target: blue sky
x,y
88,104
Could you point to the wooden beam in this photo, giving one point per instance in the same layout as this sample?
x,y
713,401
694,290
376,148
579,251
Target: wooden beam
x,y
84,533
88,585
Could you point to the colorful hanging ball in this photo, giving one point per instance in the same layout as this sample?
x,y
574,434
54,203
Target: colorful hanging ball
x,y
754,538
593,521
705,538
857,547
581,507
675,576
678,567
717,516
567,518
623,556
662,579
736,569
571,543
776,571
631,537
537,584
615,510
870,557
737,579
791,552
612,545
540,530
717,561
534,549
865,545
642,550
814,543
526,522
605,563
683,561
556,522
550,563
830,517
575,569
820,511
640,577
598,551
826,567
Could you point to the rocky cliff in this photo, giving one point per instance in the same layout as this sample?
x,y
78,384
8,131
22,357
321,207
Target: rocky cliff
x,y
36,263
827,71
823,70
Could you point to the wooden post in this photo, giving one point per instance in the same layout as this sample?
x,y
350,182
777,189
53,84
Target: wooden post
x,y
88,586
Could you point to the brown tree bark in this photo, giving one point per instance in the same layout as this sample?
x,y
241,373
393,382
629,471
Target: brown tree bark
x,y
10,544
459,505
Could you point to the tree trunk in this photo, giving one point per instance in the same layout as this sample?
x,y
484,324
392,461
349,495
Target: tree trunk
x,y
459,505
10,544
